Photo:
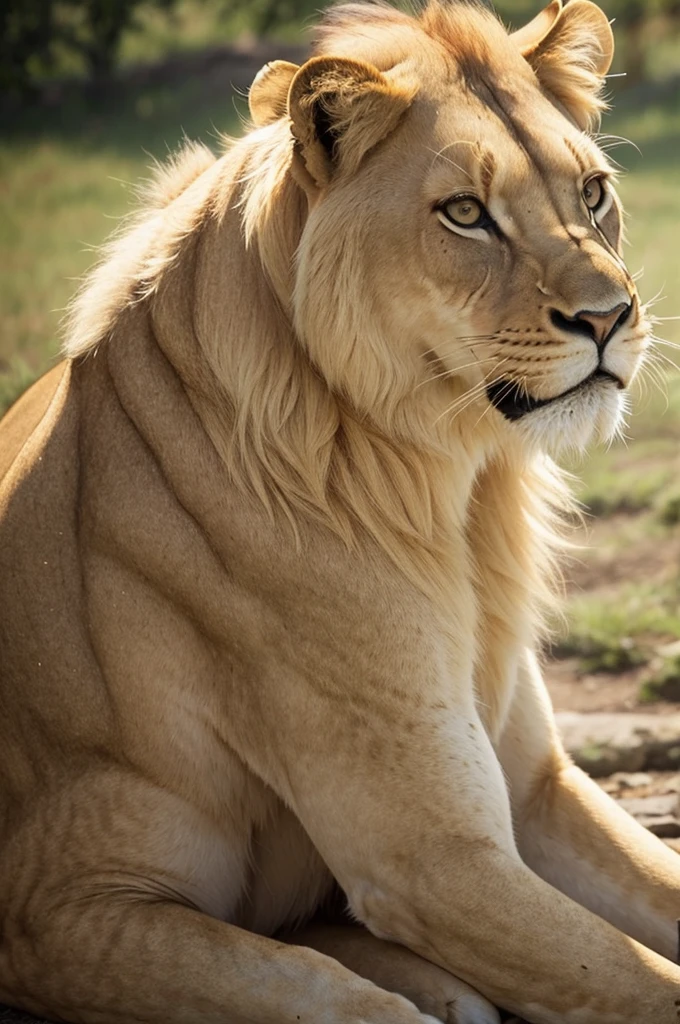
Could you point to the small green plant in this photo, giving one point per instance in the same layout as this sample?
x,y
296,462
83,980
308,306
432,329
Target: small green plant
x,y
669,512
622,630
602,653
614,656
664,681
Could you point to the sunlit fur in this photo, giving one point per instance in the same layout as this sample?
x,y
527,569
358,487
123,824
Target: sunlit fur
x,y
342,348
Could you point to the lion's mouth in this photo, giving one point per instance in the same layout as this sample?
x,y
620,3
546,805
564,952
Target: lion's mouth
x,y
511,399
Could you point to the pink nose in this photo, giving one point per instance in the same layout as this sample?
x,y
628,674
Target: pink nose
x,y
604,324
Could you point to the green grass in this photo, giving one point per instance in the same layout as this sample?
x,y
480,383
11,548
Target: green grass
x,y
53,203
663,682
642,471
615,631
635,486
66,180
651,118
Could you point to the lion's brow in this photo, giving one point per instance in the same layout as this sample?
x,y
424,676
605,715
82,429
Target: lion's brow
x,y
574,150
486,160
488,169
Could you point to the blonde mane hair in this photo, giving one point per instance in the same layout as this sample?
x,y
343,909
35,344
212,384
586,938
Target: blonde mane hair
x,y
210,264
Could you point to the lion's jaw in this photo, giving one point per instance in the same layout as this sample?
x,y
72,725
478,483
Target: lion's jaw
x,y
398,307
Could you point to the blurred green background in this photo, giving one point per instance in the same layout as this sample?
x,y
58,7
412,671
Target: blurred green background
x,y
92,91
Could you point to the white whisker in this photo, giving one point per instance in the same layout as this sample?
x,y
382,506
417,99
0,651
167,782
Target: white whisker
x,y
451,372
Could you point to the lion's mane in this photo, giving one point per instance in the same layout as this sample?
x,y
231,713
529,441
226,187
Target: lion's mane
x,y
210,263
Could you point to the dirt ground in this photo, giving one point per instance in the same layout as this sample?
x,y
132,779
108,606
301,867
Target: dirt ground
x,y
574,690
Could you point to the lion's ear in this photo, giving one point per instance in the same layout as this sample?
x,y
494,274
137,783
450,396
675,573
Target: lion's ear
x,y
341,108
570,50
268,95
532,35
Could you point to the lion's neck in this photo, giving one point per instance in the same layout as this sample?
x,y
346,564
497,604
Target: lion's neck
x,y
226,326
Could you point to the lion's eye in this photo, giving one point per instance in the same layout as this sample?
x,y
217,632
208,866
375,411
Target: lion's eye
x,y
466,212
594,193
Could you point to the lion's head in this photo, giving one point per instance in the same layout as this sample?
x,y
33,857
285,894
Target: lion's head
x,y
463,227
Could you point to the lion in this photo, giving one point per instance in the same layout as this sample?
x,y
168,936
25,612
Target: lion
x,y
279,540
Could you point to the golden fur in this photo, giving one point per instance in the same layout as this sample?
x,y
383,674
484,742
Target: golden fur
x,y
278,543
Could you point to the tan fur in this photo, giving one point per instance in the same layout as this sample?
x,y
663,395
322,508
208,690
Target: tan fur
x,y
273,566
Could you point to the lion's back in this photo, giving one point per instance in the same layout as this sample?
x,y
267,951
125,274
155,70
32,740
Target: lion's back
x,y
44,657
26,414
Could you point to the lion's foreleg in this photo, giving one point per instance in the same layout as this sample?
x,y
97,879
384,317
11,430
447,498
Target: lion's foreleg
x,y
397,969
575,837
165,963
580,841
115,895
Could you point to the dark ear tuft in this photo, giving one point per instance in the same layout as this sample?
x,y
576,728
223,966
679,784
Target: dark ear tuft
x,y
323,126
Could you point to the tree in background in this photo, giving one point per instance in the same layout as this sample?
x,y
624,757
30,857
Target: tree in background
x,y
32,32
98,31
36,35
636,20
26,29
266,16
638,23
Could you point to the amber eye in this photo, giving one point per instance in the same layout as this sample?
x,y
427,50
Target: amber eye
x,y
465,211
593,193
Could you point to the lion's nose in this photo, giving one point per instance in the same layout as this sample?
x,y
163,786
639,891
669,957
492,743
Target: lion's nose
x,y
594,324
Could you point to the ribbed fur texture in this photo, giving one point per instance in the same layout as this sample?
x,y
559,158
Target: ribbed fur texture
x,y
347,437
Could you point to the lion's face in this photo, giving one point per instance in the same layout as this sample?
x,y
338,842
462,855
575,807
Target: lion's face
x,y
520,252
464,239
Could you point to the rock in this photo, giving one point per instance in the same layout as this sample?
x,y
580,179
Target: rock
x,y
603,743
664,828
657,813
670,650
651,806
621,781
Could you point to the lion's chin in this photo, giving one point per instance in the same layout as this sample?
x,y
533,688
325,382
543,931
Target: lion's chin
x,y
590,414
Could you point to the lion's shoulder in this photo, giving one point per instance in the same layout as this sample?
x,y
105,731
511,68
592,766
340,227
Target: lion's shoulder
x,y
26,413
